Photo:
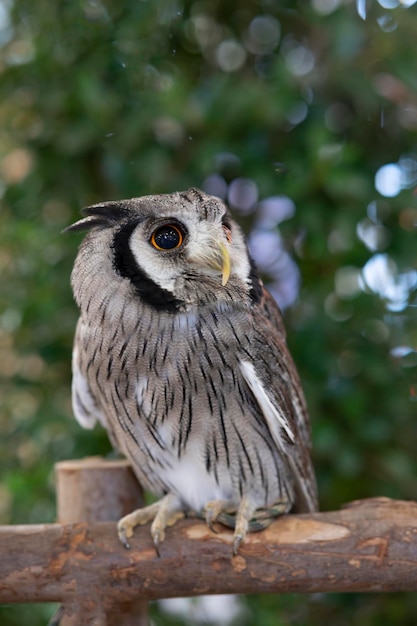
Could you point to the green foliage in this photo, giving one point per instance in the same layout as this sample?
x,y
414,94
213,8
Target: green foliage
x,y
102,100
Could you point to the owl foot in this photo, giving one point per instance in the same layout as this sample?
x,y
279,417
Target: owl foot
x,y
216,508
163,513
227,513
265,515
243,518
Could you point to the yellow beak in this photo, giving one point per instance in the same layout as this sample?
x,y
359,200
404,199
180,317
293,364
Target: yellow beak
x,y
226,266
213,254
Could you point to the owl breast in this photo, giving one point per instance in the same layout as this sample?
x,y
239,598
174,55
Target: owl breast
x,y
180,409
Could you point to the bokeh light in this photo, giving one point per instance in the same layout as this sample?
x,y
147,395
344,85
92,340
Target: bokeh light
x,y
388,180
382,276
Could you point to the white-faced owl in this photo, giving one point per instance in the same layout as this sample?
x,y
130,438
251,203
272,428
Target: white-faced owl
x,y
180,353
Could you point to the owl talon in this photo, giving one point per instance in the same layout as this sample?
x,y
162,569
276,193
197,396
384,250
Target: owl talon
x,y
211,527
156,541
215,509
237,540
163,513
126,525
123,539
210,521
158,535
243,517
210,517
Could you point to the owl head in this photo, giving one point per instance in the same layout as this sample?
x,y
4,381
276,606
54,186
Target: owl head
x,y
174,250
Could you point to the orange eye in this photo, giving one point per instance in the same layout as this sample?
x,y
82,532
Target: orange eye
x,y
167,237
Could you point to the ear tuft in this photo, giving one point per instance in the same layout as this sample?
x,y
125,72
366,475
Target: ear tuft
x,y
102,215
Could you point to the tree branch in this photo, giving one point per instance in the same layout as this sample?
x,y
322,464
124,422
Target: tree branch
x,y
370,545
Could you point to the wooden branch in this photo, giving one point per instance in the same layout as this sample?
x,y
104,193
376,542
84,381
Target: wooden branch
x,y
370,545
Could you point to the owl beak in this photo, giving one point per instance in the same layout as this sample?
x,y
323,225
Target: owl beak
x,y
226,266
214,254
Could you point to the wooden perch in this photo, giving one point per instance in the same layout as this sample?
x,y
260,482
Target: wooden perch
x,y
370,545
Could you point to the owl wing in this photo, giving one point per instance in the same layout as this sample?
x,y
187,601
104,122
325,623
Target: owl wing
x,y
86,407
270,311
273,379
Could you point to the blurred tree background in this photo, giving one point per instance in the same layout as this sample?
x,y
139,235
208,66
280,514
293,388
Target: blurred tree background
x,y
303,115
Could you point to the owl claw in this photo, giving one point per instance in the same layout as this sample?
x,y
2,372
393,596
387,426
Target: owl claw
x,y
216,508
125,530
157,539
210,519
163,513
158,534
123,539
243,516
226,512
237,540
126,525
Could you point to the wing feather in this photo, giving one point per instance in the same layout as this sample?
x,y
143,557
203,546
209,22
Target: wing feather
x,y
86,408
274,382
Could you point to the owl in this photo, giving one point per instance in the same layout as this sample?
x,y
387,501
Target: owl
x,y
180,353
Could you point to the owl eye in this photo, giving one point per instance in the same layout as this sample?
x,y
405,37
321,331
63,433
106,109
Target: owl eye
x,y
167,237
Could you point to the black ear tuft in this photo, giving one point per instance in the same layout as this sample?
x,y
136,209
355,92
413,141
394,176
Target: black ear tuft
x,y
102,215
86,224
111,211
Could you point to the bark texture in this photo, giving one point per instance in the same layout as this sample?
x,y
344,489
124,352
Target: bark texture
x,y
370,545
